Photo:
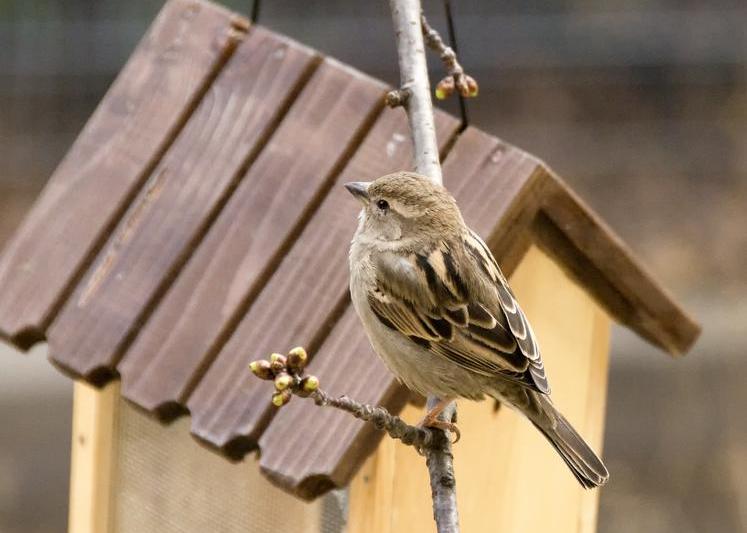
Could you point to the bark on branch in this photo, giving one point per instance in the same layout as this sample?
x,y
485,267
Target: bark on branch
x,y
413,71
407,19
397,428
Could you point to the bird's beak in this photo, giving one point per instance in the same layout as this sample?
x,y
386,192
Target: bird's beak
x,y
359,189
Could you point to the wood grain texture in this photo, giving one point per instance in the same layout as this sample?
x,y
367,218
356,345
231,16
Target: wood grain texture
x,y
308,450
127,134
596,408
501,457
502,192
601,261
175,208
260,222
301,301
93,458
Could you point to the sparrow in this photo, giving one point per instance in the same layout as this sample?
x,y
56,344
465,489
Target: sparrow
x,y
439,312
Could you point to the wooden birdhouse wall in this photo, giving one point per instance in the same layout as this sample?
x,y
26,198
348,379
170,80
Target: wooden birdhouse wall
x,y
131,474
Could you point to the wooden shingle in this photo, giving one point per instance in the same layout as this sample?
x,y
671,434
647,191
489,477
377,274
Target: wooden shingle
x,y
199,223
134,125
183,195
271,205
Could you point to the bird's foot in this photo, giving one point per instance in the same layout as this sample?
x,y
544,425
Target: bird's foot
x,y
433,422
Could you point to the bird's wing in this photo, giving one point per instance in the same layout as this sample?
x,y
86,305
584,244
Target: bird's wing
x,y
425,297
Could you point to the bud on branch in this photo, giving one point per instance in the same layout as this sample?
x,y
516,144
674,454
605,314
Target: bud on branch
x,y
287,374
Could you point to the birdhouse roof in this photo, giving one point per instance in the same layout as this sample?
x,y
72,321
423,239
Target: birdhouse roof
x,y
198,223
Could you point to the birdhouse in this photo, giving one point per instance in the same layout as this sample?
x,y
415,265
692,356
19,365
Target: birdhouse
x,y
199,222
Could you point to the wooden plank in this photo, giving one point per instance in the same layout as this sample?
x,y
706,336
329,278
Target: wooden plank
x,y
371,494
305,450
260,222
300,302
596,407
95,428
501,450
135,123
176,207
597,257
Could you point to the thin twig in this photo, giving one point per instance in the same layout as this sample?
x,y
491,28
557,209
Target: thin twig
x,y
287,373
397,428
465,85
435,42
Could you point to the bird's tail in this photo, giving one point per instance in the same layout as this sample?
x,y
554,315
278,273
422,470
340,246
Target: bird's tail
x,y
583,462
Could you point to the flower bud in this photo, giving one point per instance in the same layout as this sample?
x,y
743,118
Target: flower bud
x,y
277,362
261,369
283,381
280,398
445,88
472,86
297,359
309,384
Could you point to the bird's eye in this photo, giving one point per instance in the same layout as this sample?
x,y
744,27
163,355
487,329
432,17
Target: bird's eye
x,y
383,205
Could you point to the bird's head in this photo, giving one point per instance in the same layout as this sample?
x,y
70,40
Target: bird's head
x,y
406,207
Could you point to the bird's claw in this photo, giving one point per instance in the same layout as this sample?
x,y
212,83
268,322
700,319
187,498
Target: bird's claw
x,y
445,426
437,423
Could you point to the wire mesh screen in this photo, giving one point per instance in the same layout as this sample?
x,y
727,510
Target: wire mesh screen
x,y
165,482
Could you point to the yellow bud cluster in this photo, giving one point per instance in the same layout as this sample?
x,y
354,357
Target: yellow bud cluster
x,y
286,372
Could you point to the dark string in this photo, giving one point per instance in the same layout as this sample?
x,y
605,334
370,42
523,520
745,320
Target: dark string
x,y
453,44
254,15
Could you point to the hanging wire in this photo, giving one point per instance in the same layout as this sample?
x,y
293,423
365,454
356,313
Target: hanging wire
x,y
254,13
453,44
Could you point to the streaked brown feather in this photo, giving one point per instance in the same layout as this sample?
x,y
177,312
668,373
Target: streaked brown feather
x,y
424,296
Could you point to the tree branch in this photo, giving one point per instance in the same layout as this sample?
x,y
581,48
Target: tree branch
x,y
413,68
397,428
413,71
440,462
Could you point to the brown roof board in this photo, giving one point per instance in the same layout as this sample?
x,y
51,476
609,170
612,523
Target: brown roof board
x,y
198,223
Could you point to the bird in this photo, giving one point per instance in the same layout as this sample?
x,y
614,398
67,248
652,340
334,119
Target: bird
x,y
440,313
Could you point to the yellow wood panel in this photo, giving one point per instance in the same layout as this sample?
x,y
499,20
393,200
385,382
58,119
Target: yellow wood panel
x,y
593,429
93,451
509,479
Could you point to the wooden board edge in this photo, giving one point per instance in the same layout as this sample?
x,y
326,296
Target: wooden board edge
x,y
570,230
93,457
596,407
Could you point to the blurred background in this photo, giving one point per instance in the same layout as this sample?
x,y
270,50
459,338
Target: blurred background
x,y
641,105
